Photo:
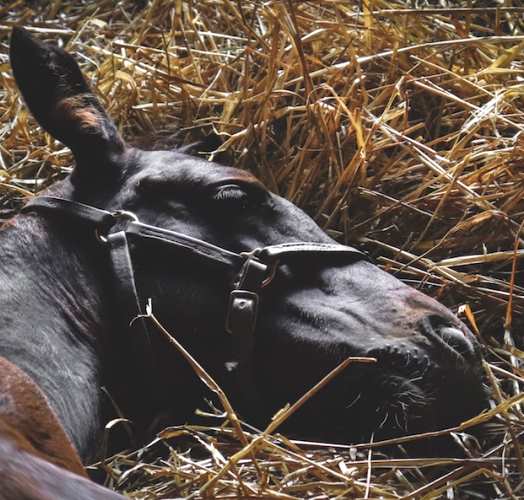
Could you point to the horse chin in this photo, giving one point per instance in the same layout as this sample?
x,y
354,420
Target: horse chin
x,y
381,403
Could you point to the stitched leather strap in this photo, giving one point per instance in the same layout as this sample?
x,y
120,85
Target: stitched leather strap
x,y
128,300
184,242
287,250
86,213
241,319
104,219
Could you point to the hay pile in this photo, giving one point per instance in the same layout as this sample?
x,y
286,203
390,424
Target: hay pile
x,y
398,124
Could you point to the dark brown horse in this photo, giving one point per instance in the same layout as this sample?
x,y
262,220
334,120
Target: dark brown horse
x,y
130,225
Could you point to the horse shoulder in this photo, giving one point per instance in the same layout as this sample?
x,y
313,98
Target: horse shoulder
x,y
28,421
24,475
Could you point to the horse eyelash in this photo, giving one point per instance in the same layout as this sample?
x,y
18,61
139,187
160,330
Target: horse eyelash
x,y
232,193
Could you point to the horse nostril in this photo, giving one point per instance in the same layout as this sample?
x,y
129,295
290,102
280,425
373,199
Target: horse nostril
x,y
457,339
453,336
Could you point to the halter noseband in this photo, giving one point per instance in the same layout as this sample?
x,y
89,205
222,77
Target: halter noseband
x,y
254,270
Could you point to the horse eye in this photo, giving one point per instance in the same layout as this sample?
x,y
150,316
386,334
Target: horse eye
x,y
231,194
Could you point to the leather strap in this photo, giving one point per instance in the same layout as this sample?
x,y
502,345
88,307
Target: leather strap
x,y
242,311
128,300
104,219
287,250
184,242
241,319
86,213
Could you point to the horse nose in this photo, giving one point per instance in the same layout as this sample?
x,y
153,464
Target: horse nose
x,y
447,333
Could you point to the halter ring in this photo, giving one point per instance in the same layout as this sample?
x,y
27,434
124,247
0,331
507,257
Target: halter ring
x,y
117,215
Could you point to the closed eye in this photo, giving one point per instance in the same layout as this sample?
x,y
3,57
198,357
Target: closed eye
x,y
226,194
237,195
231,194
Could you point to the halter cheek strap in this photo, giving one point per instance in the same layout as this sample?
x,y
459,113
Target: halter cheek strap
x,y
254,271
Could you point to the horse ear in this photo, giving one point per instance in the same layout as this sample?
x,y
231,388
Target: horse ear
x,y
59,97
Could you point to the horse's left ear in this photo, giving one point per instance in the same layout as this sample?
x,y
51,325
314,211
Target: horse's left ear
x,y
60,99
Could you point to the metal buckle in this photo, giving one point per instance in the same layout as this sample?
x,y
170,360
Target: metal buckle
x,y
271,266
101,231
246,304
272,270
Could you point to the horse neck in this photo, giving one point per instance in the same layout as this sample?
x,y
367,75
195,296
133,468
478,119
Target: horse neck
x,y
52,318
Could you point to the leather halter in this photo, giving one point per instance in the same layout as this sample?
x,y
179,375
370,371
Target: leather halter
x,y
254,270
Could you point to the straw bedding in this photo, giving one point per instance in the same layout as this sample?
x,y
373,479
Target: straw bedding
x,y
397,124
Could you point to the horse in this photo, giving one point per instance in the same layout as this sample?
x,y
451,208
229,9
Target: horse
x,y
249,284
25,476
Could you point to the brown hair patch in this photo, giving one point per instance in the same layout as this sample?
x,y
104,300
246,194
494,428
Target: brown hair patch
x,y
78,110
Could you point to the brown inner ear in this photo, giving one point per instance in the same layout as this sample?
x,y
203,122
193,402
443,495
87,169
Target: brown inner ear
x,y
78,111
